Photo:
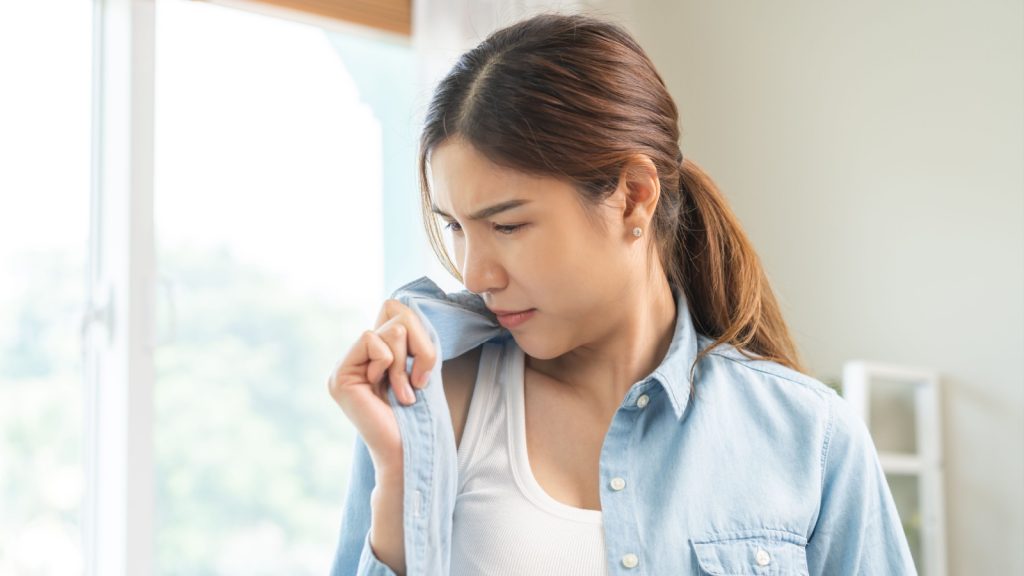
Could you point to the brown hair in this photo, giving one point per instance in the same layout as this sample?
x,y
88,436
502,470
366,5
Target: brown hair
x,y
574,97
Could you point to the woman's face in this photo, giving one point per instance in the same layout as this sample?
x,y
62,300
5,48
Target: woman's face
x,y
541,253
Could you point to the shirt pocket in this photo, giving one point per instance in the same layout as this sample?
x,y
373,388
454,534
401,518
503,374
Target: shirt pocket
x,y
754,552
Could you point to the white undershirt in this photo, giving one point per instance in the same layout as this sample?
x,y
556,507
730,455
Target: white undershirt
x,y
505,523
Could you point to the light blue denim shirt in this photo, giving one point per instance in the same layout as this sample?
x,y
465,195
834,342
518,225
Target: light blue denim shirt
x,y
764,470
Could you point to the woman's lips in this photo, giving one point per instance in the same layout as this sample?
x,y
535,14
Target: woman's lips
x,y
516,318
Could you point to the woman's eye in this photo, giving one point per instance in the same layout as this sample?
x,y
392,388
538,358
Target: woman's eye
x,y
507,229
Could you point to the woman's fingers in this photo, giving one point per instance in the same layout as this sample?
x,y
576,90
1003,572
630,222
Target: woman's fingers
x,y
370,351
417,341
380,358
422,350
394,333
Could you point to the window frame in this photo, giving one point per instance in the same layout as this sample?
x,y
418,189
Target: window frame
x,y
387,17
119,320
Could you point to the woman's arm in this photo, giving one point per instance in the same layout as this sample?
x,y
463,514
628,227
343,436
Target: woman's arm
x,y
386,531
858,530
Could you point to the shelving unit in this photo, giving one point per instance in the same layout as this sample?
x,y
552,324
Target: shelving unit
x,y
900,405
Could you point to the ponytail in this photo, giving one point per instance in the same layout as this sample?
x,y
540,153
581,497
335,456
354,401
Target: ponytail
x,y
721,275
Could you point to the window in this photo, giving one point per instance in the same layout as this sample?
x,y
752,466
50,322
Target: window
x,y
277,148
268,209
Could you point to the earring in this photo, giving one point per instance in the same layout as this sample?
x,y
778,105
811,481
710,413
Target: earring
x,y
637,231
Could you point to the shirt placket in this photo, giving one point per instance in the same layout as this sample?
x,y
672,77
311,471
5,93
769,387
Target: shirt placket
x,y
624,549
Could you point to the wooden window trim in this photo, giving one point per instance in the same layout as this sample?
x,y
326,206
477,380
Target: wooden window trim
x,y
393,17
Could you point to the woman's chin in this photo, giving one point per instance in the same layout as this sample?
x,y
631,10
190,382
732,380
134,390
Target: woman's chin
x,y
537,348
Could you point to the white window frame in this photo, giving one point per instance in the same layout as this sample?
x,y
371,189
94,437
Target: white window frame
x,y
118,324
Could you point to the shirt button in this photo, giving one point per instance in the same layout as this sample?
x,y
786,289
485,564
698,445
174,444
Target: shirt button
x,y
630,560
618,483
642,401
762,557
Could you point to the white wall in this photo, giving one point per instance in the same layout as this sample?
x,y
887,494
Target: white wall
x,y
875,154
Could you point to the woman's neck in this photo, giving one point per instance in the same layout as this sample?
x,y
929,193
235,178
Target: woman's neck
x,y
601,371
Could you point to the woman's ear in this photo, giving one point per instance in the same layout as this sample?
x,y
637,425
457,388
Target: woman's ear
x,y
641,189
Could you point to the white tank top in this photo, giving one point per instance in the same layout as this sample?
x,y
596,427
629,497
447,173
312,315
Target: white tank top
x,y
504,522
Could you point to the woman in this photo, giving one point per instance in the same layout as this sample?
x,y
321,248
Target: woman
x,y
619,391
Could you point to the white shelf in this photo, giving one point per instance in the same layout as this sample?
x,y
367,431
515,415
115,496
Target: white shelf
x,y
925,465
897,463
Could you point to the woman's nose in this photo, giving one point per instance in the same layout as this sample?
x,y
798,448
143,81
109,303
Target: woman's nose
x,y
481,272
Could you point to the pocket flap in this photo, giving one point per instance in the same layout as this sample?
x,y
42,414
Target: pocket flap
x,y
759,555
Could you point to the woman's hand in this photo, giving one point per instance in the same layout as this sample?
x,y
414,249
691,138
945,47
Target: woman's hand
x,y
377,360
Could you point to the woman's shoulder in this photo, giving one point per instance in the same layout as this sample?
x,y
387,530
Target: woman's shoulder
x,y
788,377
797,412
767,390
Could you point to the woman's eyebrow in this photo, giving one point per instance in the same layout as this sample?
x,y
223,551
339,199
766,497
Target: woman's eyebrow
x,y
486,212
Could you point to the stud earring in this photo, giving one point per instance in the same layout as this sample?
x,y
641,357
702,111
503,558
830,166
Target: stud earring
x,y
637,231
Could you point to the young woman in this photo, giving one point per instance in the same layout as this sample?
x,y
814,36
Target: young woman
x,y
619,392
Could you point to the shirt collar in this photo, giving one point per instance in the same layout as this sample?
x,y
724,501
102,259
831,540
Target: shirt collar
x,y
461,321
674,371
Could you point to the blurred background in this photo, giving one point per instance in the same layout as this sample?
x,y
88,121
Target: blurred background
x,y
203,203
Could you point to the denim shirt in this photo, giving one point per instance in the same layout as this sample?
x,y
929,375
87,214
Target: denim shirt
x,y
763,470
